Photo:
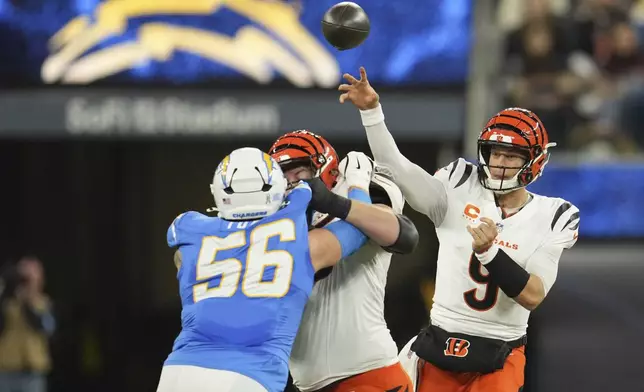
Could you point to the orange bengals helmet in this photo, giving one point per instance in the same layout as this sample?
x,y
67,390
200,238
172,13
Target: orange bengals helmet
x,y
523,131
301,148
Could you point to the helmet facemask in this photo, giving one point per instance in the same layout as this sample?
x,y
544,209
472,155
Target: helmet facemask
x,y
504,184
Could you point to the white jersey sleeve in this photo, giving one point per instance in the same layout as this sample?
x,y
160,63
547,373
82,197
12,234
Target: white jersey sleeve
x,y
343,330
423,192
456,174
564,227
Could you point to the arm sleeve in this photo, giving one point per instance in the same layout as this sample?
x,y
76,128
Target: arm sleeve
x,y
350,238
544,263
359,195
423,192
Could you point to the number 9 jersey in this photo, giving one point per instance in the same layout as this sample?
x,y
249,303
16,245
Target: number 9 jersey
x,y
243,286
466,300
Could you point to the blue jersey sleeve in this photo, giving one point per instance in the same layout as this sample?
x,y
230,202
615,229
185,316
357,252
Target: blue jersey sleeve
x,y
298,199
177,233
351,239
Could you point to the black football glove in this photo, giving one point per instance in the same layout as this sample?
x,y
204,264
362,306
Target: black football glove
x,y
325,201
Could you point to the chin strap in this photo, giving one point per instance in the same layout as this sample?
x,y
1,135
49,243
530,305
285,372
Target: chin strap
x,y
506,191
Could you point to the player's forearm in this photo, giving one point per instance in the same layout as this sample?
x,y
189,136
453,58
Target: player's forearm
x,y
517,283
324,248
382,143
421,190
395,233
533,293
333,243
376,222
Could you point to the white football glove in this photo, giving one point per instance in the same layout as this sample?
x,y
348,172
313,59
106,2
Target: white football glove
x,y
357,170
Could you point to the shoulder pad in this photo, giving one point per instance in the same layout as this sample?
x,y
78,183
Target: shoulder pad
x,y
384,188
564,225
457,173
383,171
180,227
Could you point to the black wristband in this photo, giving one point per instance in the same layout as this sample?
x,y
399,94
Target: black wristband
x,y
338,206
508,275
325,201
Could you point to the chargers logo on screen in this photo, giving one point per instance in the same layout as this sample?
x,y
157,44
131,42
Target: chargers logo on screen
x,y
275,42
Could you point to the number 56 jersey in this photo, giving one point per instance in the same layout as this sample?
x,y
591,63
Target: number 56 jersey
x,y
465,299
243,287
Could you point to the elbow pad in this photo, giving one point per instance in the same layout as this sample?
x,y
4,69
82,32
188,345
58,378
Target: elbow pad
x,y
407,237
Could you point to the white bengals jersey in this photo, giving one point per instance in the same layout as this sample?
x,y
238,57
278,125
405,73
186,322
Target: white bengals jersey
x,y
464,299
343,330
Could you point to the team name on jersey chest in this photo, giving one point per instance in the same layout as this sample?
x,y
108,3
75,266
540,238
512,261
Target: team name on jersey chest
x,y
506,244
514,237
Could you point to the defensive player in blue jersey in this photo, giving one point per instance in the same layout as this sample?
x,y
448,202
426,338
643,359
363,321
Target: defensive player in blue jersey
x,y
245,276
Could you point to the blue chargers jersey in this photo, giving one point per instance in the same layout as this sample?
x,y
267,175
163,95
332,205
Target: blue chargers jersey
x,y
243,288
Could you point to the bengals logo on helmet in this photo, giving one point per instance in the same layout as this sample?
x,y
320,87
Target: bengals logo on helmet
x,y
456,347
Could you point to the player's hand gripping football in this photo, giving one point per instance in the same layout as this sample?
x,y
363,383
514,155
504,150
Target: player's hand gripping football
x,y
357,170
359,92
483,235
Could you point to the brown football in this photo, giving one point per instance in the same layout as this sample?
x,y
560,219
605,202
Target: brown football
x,y
345,25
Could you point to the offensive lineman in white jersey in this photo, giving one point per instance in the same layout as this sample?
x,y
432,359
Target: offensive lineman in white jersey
x,y
343,343
499,247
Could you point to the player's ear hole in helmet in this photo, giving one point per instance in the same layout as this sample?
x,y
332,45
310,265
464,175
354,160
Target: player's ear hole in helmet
x,y
306,149
520,133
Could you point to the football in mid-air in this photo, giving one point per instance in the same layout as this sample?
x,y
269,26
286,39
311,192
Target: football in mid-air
x,y
345,25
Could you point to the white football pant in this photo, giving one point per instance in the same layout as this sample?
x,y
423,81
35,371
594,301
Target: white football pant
x,y
180,378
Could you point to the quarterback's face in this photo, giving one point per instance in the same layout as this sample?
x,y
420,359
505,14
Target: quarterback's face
x,y
505,162
294,175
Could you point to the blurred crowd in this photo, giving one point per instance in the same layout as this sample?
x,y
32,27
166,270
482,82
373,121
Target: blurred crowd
x,y
580,65
26,324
